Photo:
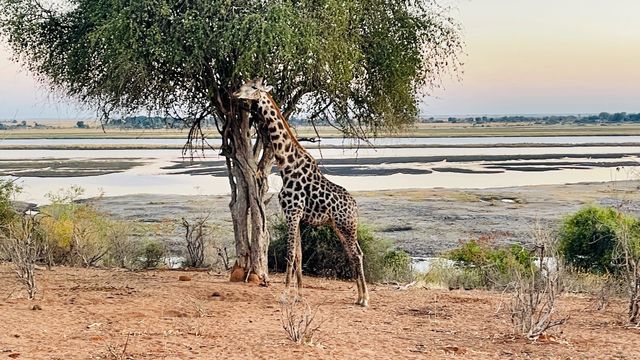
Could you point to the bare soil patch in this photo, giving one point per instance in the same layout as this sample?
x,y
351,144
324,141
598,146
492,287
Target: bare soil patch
x,y
92,314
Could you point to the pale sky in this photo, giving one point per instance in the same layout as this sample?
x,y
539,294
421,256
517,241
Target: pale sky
x,y
523,57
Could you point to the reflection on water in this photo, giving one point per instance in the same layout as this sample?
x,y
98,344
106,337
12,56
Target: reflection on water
x,y
366,169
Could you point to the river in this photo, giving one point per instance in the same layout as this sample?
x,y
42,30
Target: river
x,y
453,163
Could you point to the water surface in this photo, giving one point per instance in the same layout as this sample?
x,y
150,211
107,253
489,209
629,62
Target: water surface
x,y
165,171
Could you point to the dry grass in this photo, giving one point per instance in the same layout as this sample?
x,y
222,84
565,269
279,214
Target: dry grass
x,y
297,318
20,244
536,290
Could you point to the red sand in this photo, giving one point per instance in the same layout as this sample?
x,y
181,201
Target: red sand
x,y
90,314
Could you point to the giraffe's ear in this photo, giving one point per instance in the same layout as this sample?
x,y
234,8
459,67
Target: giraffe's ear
x,y
267,88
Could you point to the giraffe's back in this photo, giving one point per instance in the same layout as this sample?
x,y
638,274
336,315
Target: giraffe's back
x,y
326,202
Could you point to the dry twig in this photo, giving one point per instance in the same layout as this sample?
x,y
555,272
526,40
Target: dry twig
x,y
298,320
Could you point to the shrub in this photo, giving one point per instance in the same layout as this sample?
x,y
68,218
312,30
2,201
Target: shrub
x,y
21,243
297,319
153,254
197,237
123,251
536,289
323,254
78,234
453,277
8,189
588,239
627,255
484,265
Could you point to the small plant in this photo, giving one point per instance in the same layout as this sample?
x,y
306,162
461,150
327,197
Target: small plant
x,y
324,255
119,354
628,256
196,238
123,250
535,290
8,189
21,243
77,233
223,254
397,265
601,287
153,254
442,273
297,318
487,266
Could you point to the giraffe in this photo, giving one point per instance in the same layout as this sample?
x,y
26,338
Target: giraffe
x,y
306,195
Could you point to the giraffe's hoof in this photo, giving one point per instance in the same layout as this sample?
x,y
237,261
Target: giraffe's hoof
x,y
363,302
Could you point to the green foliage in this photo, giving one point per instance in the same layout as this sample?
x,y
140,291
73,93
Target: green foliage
x,y
153,254
8,189
628,236
79,234
123,250
603,118
482,265
454,277
358,63
323,254
588,238
481,254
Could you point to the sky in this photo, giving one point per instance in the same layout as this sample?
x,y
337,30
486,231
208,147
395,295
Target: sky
x,y
522,57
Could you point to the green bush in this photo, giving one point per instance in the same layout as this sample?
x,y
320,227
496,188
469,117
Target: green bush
x,y
323,254
8,189
443,274
588,239
153,254
124,250
482,265
76,233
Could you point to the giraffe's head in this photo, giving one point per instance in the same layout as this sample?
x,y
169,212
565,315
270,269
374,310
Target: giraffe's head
x,y
252,90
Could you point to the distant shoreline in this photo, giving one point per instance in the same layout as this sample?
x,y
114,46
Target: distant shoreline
x,y
314,146
423,130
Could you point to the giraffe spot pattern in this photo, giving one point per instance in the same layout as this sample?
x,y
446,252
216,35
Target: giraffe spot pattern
x,y
307,195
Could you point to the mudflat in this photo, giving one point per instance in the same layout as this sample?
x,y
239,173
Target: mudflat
x,y
423,222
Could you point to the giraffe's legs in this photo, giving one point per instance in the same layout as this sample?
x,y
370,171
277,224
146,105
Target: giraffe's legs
x,y
293,225
363,294
355,256
298,263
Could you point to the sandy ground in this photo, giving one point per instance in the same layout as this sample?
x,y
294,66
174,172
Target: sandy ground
x,y
114,314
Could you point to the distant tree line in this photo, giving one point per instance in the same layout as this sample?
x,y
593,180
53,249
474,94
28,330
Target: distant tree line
x,y
15,124
603,117
149,122
159,122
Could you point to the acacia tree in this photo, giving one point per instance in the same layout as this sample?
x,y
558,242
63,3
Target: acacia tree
x,y
359,65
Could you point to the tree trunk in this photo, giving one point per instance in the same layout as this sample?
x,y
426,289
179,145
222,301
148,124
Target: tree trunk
x,y
249,166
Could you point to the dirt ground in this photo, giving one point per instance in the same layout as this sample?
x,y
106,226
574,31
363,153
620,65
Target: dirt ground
x,y
116,314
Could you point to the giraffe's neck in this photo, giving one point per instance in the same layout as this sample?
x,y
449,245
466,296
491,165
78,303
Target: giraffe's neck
x,y
289,154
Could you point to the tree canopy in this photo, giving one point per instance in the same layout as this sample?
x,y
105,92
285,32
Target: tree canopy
x,y
360,65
